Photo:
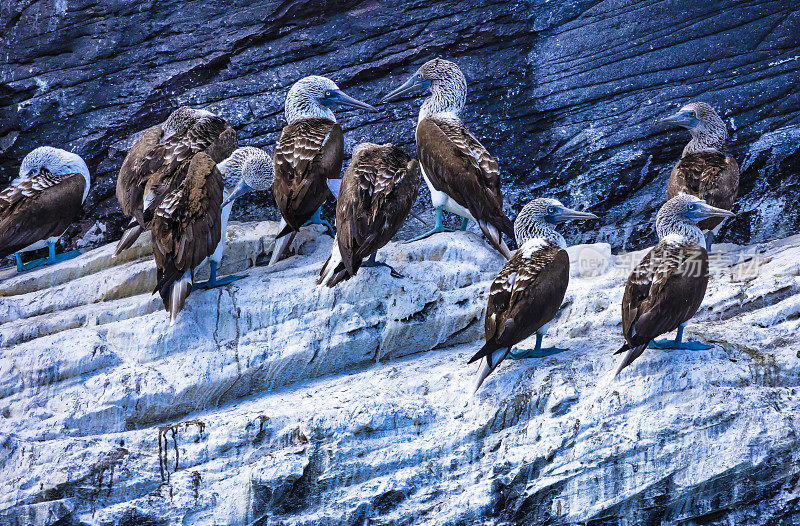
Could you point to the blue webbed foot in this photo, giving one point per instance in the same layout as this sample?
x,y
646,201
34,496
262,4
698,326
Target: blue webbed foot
x,y
541,352
680,345
227,280
316,219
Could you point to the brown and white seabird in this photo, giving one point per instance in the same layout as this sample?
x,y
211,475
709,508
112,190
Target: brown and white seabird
x,y
186,228
462,176
309,151
667,287
530,287
158,162
41,203
705,170
377,192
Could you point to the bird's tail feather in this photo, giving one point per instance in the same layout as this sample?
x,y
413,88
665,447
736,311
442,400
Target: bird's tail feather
x,y
180,290
129,237
282,245
631,354
492,361
495,238
333,272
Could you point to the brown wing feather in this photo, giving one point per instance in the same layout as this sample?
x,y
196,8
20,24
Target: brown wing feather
x,y
711,176
378,190
186,226
524,296
309,152
38,208
458,165
664,290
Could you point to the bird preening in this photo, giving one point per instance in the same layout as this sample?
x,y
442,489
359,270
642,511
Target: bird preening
x,y
181,179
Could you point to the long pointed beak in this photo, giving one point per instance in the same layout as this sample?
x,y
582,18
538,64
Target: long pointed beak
x,y
343,99
568,214
705,210
407,86
684,119
241,189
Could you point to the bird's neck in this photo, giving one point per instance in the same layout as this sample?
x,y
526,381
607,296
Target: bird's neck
x,y
446,97
302,106
710,138
231,170
542,230
680,231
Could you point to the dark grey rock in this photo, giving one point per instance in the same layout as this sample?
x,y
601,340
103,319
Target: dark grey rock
x,y
565,94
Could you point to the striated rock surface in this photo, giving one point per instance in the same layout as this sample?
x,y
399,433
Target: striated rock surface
x,y
565,94
273,401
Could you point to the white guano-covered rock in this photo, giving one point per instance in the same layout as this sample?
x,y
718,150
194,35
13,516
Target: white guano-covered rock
x,y
275,401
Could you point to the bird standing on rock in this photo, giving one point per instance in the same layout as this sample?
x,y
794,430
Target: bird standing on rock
x,y
705,170
247,169
377,192
667,287
310,151
186,228
41,203
529,289
158,162
462,176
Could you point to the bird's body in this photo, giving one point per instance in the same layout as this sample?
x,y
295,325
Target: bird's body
x,y
186,228
705,170
310,151
529,290
667,287
42,202
159,160
460,173
377,192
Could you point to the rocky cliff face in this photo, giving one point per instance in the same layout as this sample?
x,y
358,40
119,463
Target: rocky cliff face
x,y
565,94
273,401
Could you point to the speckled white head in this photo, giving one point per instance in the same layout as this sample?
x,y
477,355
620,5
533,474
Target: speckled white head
x,y
247,169
677,219
447,85
313,96
708,130
538,220
54,160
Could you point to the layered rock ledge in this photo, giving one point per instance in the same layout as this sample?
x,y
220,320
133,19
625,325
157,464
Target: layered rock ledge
x,y
274,401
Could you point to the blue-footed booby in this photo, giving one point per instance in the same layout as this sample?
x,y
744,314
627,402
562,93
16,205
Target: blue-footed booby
x,y
667,287
186,230
41,203
704,170
530,287
158,161
247,169
310,151
377,192
462,176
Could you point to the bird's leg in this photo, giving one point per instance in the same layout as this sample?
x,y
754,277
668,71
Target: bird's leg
x,y
316,219
51,251
20,265
372,263
436,229
678,343
537,352
213,282
464,224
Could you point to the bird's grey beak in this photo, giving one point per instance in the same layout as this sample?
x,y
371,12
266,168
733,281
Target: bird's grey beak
x,y
409,85
341,98
241,189
684,118
703,210
568,214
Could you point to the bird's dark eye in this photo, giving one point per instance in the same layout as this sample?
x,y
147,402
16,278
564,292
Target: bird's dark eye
x,y
327,93
551,210
691,206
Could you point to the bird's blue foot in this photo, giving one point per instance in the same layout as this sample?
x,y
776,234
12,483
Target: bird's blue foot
x,y
316,219
213,282
372,263
541,352
680,345
435,230
51,259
